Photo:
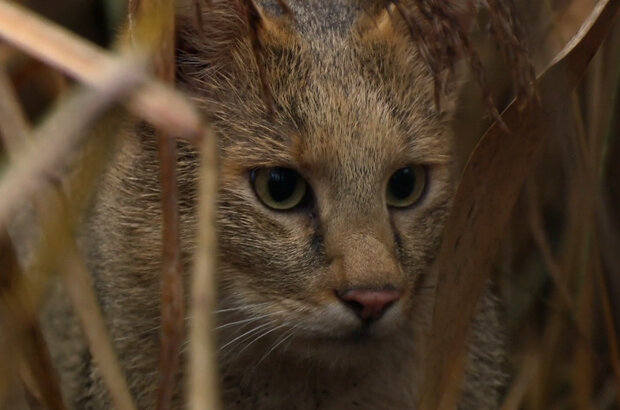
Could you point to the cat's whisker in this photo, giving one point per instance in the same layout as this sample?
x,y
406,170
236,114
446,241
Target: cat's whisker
x,y
256,339
245,307
238,322
226,349
249,332
286,336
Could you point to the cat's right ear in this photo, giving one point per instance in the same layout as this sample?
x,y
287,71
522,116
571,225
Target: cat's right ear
x,y
220,22
216,24
222,33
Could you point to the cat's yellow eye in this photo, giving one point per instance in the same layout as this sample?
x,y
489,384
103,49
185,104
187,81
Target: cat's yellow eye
x,y
406,186
279,188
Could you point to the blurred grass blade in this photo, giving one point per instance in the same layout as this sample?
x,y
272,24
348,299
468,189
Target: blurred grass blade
x,y
14,128
202,364
612,337
80,288
57,138
59,216
535,221
55,141
523,380
483,203
20,318
89,64
23,333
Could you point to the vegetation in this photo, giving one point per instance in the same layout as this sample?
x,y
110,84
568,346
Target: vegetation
x,y
537,208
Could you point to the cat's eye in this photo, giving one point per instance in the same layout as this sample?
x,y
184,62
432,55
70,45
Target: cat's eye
x,y
406,186
279,188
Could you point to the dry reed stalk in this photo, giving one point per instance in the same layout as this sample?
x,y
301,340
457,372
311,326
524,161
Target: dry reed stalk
x,y
9,318
48,254
612,337
583,354
23,334
160,43
14,128
63,130
133,6
553,337
488,190
79,284
58,137
40,369
570,319
570,359
54,141
84,62
596,115
26,337
58,218
202,363
579,268
172,303
576,254
523,381
607,246
158,104
442,40
592,161
544,246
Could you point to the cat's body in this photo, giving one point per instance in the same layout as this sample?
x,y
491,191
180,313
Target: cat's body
x,y
323,305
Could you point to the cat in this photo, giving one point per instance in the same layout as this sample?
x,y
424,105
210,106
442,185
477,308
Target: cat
x,y
330,213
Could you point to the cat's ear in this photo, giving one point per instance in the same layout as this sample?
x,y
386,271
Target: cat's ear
x,y
218,29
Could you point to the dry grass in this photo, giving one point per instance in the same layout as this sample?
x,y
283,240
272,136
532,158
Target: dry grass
x,y
558,268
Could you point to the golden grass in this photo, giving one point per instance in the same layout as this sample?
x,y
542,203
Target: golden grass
x,y
558,281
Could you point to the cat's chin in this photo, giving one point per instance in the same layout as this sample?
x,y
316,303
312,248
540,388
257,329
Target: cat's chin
x,y
354,348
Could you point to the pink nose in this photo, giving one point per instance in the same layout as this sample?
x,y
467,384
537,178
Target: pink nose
x,y
369,304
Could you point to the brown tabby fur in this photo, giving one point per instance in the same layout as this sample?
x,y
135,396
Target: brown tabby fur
x,y
352,103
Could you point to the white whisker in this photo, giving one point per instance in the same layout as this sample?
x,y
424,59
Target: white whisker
x,y
287,336
249,332
244,307
260,337
251,319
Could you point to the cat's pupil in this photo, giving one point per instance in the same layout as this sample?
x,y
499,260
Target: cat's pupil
x,y
402,183
282,183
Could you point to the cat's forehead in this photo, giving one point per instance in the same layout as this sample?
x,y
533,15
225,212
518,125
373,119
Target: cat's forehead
x,y
353,101
347,124
353,97
315,18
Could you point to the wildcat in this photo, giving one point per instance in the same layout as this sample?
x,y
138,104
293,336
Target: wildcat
x,y
330,213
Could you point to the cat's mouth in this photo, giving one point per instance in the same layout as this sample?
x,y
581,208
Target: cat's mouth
x,y
366,333
363,334
354,347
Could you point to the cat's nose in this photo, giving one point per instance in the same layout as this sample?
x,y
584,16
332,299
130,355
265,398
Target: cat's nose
x,y
369,304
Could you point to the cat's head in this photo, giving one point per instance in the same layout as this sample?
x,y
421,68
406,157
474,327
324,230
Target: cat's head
x,y
332,206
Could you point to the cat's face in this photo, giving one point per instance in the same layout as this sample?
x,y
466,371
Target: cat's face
x,y
331,209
